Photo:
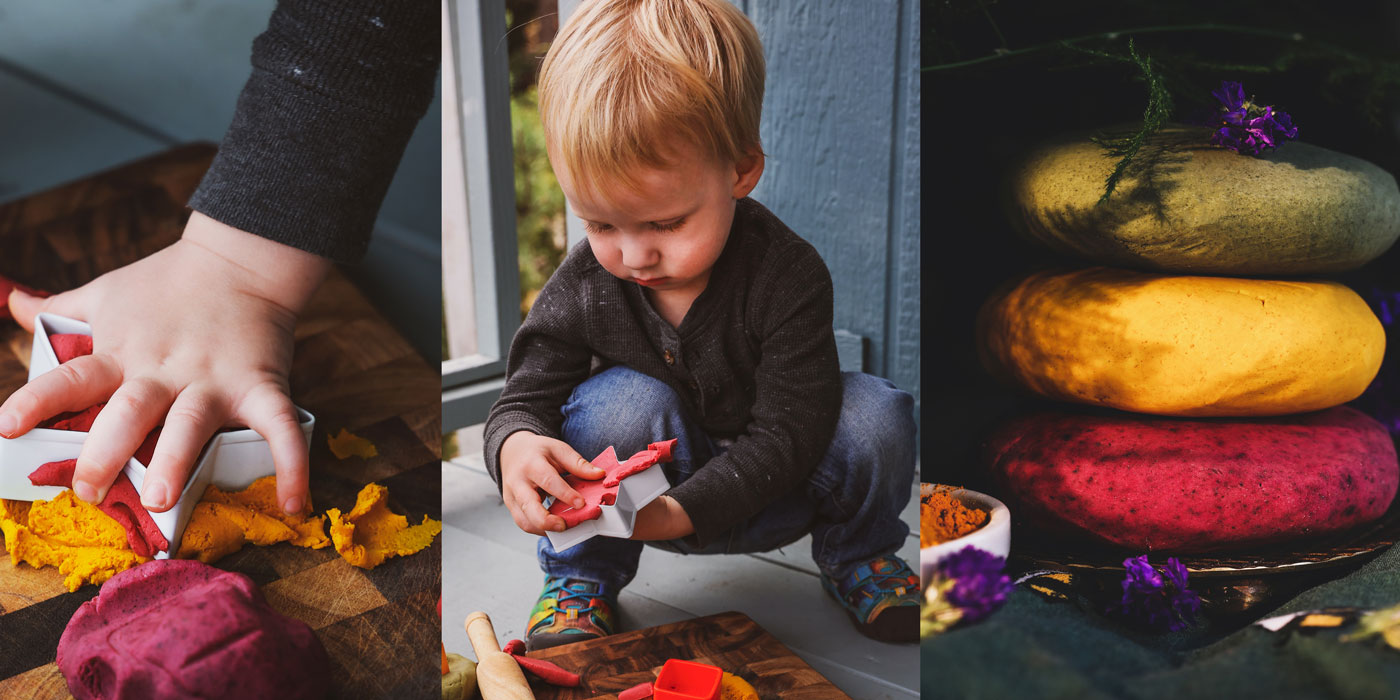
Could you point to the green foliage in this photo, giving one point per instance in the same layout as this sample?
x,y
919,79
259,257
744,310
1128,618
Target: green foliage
x,y
539,203
1157,113
1354,80
449,447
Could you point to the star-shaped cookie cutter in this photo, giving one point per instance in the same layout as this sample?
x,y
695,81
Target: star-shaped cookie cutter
x,y
231,460
634,491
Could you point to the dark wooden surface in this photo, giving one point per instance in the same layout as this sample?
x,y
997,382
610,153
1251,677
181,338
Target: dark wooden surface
x,y
729,640
351,370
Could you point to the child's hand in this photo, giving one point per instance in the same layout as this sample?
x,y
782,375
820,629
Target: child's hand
x,y
196,336
662,519
531,462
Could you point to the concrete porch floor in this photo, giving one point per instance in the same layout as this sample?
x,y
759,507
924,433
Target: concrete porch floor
x,y
489,564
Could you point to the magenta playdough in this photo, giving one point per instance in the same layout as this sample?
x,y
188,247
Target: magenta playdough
x,y
183,629
1174,485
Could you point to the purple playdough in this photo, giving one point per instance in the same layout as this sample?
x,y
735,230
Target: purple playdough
x,y
183,629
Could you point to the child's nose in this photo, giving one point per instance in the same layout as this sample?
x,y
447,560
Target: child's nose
x,y
638,254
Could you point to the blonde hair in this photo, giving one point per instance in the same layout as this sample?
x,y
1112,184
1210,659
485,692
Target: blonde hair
x,y
625,77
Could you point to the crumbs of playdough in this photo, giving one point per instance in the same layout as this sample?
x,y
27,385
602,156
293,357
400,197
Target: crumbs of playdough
x,y
173,629
224,521
86,545
371,533
347,444
603,492
732,687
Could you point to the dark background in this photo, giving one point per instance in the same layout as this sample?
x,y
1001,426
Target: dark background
x,y
1340,82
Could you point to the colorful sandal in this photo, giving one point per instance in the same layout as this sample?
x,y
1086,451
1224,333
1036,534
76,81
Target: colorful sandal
x,y
569,610
882,599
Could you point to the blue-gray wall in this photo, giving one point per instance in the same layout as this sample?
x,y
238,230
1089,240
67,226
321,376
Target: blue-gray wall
x,y
85,86
841,130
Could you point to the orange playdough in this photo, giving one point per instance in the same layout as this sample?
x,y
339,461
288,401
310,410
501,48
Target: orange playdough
x,y
371,533
86,545
224,521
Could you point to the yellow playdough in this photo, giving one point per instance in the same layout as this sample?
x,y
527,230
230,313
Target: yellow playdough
x,y
1183,346
733,687
86,545
371,533
226,520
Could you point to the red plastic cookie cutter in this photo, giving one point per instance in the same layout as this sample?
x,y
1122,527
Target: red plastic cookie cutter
x,y
687,680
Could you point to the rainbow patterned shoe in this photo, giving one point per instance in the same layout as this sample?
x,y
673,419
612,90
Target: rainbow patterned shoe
x,y
882,599
569,610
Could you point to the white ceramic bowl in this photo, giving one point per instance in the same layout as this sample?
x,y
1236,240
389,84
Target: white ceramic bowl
x,y
993,537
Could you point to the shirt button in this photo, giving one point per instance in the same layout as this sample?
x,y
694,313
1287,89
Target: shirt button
x,y
670,359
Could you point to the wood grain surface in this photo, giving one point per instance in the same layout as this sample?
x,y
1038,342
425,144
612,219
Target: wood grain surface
x,y
731,640
351,370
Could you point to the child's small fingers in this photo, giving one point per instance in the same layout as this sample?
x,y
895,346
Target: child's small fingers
x,y
195,416
565,458
269,411
554,485
134,410
24,306
540,518
529,514
72,386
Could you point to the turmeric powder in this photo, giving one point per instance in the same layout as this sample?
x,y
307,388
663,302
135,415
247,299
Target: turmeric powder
x,y
942,517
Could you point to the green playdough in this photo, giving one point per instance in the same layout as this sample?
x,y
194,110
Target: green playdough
x,y
460,681
1186,206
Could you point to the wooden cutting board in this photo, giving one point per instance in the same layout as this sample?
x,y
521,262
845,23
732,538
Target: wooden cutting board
x,y
352,370
731,641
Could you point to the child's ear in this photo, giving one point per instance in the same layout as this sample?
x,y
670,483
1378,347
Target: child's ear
x,y
747,171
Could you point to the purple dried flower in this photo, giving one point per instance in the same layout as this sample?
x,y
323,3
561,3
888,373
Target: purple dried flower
x,y
979,586
1245,127
1155,600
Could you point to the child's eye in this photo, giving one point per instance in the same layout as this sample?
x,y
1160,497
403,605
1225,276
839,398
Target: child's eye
x,y
595,227
668,226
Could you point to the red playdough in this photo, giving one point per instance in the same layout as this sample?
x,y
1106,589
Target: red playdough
x,y
183,629
1165,484
6,286
603,492
547,671
122,503
636,692
67,346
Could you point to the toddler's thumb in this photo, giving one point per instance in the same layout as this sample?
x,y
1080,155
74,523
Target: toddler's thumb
x,y
25,305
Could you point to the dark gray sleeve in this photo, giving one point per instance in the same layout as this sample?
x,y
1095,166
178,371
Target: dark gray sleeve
x,y
336,89
797,401
549,356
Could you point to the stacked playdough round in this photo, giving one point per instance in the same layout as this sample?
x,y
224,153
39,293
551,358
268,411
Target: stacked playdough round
x,y
1240,439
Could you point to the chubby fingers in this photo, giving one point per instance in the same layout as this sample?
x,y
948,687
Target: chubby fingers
x,y
24,306
72,386
268,410
134,409
194,417
567,459
527,509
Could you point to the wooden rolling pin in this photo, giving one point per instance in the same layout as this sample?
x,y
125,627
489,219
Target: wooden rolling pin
x,y
497,675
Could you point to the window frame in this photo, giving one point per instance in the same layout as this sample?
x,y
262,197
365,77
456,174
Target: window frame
x,y
478,71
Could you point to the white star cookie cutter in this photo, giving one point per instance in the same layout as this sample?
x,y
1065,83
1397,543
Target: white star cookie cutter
x,y
618,519
231,460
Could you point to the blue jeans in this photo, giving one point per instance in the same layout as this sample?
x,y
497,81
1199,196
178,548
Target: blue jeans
x,y
850,505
